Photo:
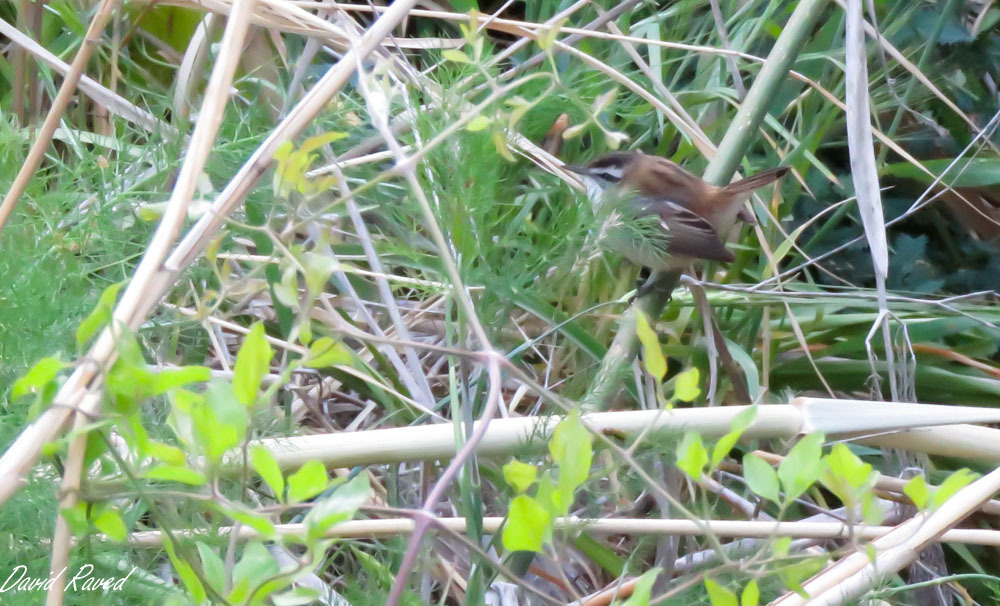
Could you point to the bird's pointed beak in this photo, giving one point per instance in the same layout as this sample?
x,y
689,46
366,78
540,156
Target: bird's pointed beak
x,y
576,168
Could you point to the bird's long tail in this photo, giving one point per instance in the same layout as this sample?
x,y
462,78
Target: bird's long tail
x,y
755,181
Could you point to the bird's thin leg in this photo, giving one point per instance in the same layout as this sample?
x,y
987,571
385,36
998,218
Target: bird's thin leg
x,y
648,282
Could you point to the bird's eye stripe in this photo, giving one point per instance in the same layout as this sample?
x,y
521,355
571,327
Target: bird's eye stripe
x,y
609,174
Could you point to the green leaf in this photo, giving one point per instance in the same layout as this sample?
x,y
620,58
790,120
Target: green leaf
x,y
317,141
325,352
500,144
686,385
918,491
737,426
751,594
167,380
287,290
967,172
40,375
171,455
643,589
952,484
338,507
254,567
691,455
802,466
719,595
318,269
477,124
213,569
527,525
780,547
171,473
252,363
453,54
111,524
572,450
846,475
219,420
267,467
249,518
307,482
100,316
850,467
652,354
186,573
520,476
793,574
76,518
761,477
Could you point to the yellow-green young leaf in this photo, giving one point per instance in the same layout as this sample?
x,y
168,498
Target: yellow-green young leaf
x,y
38,377
249,518
317,141
168,380
325,352
477,124
614,138
500,143
172,473
686,385
871,552
546,38
691,455
520,476
871,512
760,477
100,316
266,466
338,507
186,573
737,426
952,484
847,474
780,547
307,482
571,449
642,589
719,595
604,99
751,594
656,364
252,363
279,182
76,518
456,55
527,525
255,566
802,466
287,290
111,524
575,131
318,269
171,455
793,574
918,491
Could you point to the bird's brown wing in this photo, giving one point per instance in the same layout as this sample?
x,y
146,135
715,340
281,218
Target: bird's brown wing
x,y
689,234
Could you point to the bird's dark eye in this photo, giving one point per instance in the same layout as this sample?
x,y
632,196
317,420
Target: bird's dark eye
x,y
611,174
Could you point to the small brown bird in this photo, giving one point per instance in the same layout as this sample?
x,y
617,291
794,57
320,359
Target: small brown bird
x,y
688,218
